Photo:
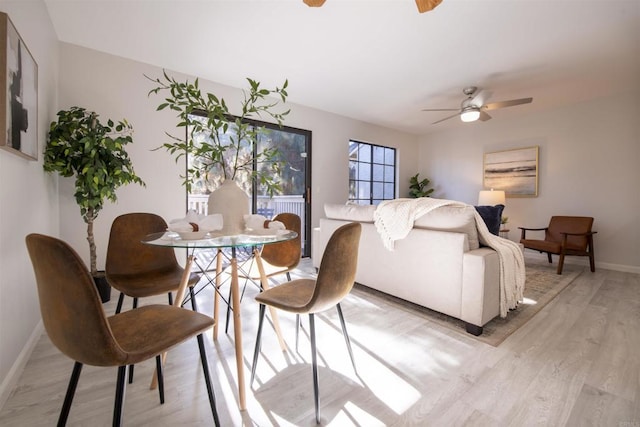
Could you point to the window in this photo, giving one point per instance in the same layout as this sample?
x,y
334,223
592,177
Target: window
x,y
372,173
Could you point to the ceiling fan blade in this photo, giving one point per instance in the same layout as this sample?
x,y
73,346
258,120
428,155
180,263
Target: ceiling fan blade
x,y
313,3
446,118
503,104
484,116
441,109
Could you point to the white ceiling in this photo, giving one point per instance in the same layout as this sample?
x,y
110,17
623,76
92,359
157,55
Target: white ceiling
x,y
374,60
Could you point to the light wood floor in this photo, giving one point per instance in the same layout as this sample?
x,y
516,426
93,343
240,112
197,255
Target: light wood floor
x,y
576,363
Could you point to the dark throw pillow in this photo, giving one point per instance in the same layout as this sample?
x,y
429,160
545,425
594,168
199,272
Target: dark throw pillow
x,y
492,215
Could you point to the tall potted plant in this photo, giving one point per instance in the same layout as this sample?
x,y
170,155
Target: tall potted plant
x,y
80,146
221,143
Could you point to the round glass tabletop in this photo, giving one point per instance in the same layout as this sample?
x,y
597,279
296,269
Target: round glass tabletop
x,y
172,239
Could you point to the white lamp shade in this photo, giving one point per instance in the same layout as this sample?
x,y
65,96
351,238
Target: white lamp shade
x,y
491,198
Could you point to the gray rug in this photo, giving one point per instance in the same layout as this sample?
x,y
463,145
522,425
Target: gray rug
x,y
541,286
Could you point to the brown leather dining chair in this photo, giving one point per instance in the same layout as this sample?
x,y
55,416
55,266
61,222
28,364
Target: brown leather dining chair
x,y
278,258
335,280
138,270
282,258
76,323
565,235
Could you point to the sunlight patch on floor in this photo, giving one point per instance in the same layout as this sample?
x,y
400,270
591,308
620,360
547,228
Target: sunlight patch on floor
x,y
353,415
385,384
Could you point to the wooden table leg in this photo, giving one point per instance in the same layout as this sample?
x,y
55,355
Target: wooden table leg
x,y
237,329
216,296
182,289
265,285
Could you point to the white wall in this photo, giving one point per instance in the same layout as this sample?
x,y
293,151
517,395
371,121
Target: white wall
x,y
588,165
116,88
28,200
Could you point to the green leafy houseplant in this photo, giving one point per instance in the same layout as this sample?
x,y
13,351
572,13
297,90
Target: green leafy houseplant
x,y
418,188
80,146
504,220
221,143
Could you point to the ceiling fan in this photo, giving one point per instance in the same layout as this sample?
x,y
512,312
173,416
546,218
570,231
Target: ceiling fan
x,y
423,5
473,107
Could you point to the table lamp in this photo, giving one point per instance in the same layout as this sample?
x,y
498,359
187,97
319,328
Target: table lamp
x,y
491,197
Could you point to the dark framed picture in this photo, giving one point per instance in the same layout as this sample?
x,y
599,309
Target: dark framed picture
x,y
513,171
19,105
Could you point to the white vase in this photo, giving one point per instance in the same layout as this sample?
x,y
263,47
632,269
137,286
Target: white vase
x,y
233,203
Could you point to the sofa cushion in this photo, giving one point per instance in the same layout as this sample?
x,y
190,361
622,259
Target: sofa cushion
x,y
492,216
460,219
349,212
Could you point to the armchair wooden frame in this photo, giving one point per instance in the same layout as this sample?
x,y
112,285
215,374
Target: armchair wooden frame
x,y
565,235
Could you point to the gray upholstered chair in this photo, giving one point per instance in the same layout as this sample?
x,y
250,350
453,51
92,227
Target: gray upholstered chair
x,y
77,325
565,235
308,296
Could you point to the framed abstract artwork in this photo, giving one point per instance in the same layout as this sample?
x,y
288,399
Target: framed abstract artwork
x,y
513,171
19,103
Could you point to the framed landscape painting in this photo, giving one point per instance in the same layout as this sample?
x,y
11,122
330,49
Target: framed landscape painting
x,y
513,171
19,103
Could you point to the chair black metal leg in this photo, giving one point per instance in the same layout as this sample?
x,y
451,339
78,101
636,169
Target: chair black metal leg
x,y
346,336
118,407
71,391
120,301
288,276
135,305
314,364
170,298
160,378
194,306
256,351
207,379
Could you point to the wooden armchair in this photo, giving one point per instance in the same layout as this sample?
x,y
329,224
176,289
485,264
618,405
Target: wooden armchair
x,y
565,235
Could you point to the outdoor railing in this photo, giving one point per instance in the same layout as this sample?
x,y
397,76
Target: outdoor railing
x,y
268,207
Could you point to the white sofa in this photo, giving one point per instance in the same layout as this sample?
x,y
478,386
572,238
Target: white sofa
x,y
439,265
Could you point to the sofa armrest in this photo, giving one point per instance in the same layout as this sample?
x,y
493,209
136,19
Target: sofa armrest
x,y
480,283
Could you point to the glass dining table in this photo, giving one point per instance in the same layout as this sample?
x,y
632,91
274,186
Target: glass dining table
x,y
219,243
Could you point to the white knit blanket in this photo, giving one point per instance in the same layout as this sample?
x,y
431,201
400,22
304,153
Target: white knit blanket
x,y
394,220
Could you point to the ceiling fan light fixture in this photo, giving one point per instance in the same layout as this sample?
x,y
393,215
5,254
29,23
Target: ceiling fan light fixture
x,y
314,3
470,115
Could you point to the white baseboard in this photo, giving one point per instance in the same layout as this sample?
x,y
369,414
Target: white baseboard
x,y
584,261
16,370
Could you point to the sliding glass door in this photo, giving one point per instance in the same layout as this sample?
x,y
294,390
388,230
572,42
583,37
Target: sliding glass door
x,y
293,173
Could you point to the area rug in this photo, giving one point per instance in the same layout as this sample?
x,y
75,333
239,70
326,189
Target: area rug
x,y
541,286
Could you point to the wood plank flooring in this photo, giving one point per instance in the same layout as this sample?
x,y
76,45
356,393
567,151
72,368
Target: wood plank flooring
x,y
576,363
